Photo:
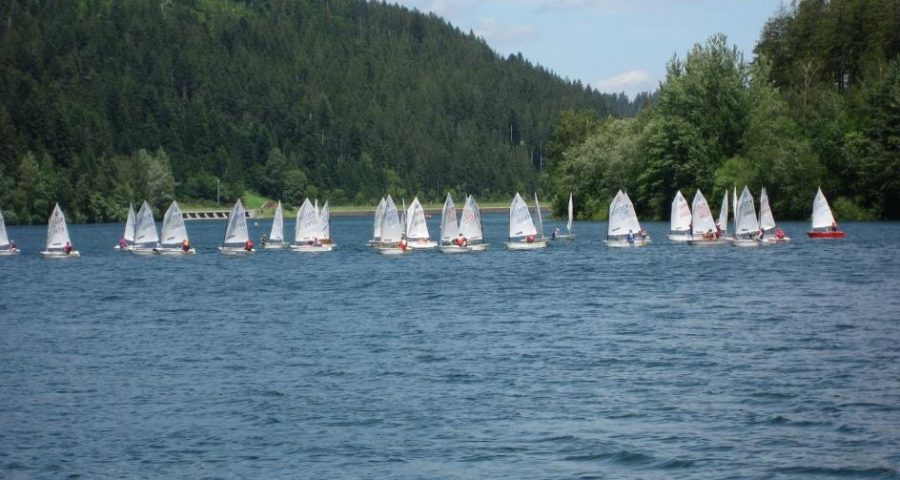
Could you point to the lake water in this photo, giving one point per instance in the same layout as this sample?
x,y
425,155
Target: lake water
x,y
580,361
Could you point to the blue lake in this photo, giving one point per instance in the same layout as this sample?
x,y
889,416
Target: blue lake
x,y
580,361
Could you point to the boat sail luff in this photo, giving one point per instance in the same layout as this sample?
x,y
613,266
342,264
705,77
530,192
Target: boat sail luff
x,y
822,216
236,233
701,216
145,231
449,226
520,223
276,235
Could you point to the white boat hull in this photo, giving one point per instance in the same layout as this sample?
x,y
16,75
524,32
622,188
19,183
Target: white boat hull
x,y
311,248
8,252
775,240
704,242
679,238
454,249
392,250
626,243
126,249
236,251
745,242
142,250
422,244
535,245
60,255
564,237
174,251
479,247
273,246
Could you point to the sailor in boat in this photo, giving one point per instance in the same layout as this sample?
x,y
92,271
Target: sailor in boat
x,y
643,234
460,241
185,245
555,233
718,229
248,246
833,226
708,235
68,248
122,243
630,237
529,239
263,239
779,234
403,243
12,246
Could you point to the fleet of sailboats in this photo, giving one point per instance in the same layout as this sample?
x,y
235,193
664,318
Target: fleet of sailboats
x,y
395,233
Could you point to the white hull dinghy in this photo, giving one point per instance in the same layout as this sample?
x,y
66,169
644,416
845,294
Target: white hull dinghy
x,y
237,237
680,220
624,230
704,231
392,240
746,226
275,240
127,240
523,235
7,248
174,238
59,245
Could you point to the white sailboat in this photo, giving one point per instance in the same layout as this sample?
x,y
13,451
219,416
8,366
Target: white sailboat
x,y
770,233
376,226
823,223
237,237
174,237
746,226
569,224
522,232
59,245
308,230
392,240
703,228
624,230
146,240
127,239
470,226
680,219
451,240
325,223
722,222
417,228
276,235
7,248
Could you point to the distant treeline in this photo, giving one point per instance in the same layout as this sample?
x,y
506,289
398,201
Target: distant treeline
x,y
819,105
103,103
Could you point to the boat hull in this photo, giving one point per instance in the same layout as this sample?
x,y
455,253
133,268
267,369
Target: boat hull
x,y
60,255
9,252
479,247
707,242
273,246
626,243
311,248
235,251
535,245
775,240
422,244
454,249
142,251
564,237
392,250
679,238
837,234
174,251
745,242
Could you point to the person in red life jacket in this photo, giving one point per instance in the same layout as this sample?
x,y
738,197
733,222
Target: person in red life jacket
x,y
529,239
460,241
122,243
68,248
779,234
248,245
402,243
185,245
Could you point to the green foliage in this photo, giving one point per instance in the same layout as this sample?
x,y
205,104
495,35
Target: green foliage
x,y
344,98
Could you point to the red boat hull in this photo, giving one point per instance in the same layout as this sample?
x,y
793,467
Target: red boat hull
x,y
838,234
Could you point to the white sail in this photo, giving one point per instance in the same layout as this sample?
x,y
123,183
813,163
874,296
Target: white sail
x,y
57,231
128,235
821,215
745,214
379,214
766,219
325,222
145,229
680,219
723,214
701,216
539,225
734,209
520,223
622,217
417,228
390,229
569,224
449,227
307,228
470,221
236,233
173,231
277,233
4,236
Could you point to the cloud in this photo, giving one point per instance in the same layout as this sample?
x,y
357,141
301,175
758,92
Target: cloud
x,y
630,82
497,33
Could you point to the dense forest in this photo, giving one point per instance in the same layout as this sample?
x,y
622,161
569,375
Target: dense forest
x,y
818,105
103,103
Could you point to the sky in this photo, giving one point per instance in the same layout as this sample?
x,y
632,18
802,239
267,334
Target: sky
x,y
612,45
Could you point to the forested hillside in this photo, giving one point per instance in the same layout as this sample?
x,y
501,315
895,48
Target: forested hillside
x,y
819,104
108,102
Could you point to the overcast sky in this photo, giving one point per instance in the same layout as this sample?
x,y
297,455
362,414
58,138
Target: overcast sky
x,y
613,45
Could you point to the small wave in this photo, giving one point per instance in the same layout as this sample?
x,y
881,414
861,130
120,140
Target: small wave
x,y
623,457
849,472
